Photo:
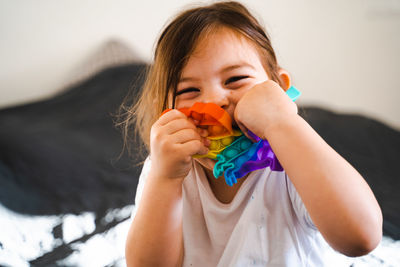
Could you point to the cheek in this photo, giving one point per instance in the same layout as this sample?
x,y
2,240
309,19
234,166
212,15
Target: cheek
x,y
236,95
184,103
187,100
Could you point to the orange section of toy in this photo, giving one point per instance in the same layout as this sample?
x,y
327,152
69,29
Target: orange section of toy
x,y
209,114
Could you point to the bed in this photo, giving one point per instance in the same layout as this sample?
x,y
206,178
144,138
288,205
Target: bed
x,y
67,187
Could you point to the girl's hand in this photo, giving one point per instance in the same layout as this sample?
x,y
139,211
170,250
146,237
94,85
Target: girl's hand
x,y
264,107
174,139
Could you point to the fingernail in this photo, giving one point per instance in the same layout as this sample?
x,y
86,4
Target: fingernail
x,y
202,132
206,142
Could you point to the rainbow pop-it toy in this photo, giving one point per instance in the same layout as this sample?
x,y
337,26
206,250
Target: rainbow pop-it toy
x,y
236,154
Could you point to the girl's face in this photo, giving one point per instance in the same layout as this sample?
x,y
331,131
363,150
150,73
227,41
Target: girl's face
x,y
222,68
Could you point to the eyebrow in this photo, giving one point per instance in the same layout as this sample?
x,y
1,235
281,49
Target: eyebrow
x,y
187,79
224,69
236,66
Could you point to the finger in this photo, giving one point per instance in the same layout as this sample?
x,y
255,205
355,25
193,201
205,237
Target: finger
x,y
169,116
206,141
194,147
178,124
202,132
241,126
245,131
185,135
194,121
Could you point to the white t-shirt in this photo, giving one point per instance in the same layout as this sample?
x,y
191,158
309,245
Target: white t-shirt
x,y
266,224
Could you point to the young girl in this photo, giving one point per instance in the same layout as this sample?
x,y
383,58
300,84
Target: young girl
x,y
220,54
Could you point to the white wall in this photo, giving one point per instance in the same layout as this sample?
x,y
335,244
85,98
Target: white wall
x,y
342,54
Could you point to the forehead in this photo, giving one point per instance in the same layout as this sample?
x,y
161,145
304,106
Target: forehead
x,y
220,48
220,38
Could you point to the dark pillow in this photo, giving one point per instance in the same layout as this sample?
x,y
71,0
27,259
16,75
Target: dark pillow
x,y
62,155
373,149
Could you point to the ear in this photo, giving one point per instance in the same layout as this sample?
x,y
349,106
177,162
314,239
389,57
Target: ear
x,y
285,79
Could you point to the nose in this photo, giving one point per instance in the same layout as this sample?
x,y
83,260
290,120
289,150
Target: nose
x,y
219,96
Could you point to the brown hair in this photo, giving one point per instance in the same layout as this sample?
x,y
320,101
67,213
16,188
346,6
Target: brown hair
x,y
174,47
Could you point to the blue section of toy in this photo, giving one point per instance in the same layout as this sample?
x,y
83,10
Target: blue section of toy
x,y
226,159
293,93
232,173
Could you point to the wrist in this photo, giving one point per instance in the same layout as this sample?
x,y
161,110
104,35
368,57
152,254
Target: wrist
x,y
163,180
281,124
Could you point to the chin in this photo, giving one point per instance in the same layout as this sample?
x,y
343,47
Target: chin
x,y
206,163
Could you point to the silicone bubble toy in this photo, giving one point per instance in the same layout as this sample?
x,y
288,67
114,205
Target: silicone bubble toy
x,y
236,154
258,156
218,144
219,126
244,156
217,119
236,164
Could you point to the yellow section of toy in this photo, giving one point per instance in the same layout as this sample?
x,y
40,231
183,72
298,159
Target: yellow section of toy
x,y
218,144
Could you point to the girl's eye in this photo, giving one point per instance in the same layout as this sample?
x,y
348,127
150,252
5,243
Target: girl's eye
x,y
235,79
187,90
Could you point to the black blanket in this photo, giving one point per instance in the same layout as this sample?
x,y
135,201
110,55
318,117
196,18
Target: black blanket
x,y
63,155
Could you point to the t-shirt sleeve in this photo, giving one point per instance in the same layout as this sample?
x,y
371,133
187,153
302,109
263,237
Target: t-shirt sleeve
x,y
140,186
299,207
